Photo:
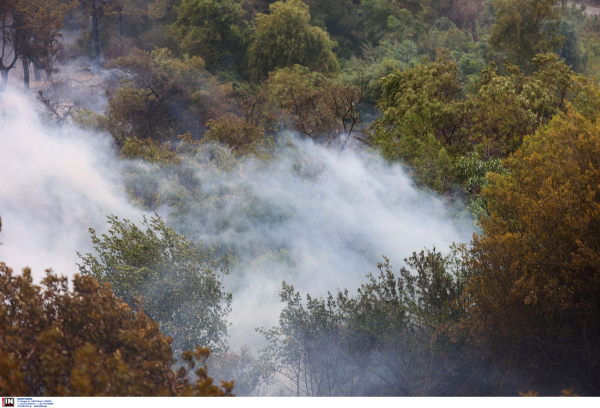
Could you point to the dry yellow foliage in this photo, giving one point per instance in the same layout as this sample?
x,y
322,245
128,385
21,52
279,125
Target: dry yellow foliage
x,y
86,342
532,296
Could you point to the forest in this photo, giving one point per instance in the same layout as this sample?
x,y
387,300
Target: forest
x,y
299,198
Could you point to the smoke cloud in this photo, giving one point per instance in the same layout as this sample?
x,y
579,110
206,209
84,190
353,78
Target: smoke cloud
x,y
54,185
312,217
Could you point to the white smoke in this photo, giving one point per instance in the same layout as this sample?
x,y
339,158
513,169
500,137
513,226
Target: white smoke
x,y
312,217
53,186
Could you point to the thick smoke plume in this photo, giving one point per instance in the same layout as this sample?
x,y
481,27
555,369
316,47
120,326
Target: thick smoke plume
x,y
54,185
312,217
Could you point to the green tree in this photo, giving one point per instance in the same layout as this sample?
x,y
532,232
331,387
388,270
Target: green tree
x,y
239,365
430,122
445,34
393,20
180,283
572,28
304,355
509,107
239,136
397,324
378,62
285,38
422,120
97,11
342,19
524,28
214,30
464,13
86,342
153,99
40,38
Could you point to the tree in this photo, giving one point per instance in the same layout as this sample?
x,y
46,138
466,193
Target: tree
x,y
180,284
86,342
285,38
524,28
423,120
162,97
305,356
430,123
572,27
95,10
378,62
239,365
393,20
41,38
342,19
10,39
509,107
30,30
396,324
239,136
316,105
214,30
531,297
428,95
464,13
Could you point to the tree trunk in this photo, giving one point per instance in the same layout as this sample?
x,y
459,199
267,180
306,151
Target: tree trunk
x,y
95,39
3,82
121,23
36,74
474,30
25,74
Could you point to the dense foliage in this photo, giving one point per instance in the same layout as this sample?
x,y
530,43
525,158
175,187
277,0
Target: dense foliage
x,y
86,342
431,121
535,278
30,31
284,38
214,30
178,282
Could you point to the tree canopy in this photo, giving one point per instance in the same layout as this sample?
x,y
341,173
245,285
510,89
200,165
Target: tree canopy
x,y
214,30
30,30
179,283
526,28
285,38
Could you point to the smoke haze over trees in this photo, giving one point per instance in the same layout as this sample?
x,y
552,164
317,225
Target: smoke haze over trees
x,y
309,198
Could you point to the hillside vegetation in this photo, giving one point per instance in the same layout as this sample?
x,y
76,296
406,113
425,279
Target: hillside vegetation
x,y
492,106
